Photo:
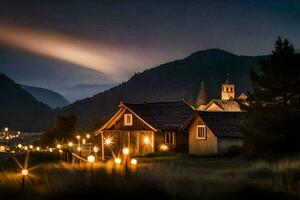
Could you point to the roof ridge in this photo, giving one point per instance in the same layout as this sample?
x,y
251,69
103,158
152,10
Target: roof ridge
x,y
156,102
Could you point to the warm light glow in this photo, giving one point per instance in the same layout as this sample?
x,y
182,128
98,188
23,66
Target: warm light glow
x,y
58,146
70,144
100,56
107,141
30,146
20,146
79,149
5,129
26,148
50,149
2,148
133,161
95,149
83,141
38,148
118,161
78,137
24,172
91,158
164,147
88,136
125,151
60,151
146,140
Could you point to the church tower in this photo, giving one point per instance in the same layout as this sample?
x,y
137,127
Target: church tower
x,y
227,91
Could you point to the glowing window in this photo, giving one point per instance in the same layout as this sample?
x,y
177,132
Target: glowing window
x,y
201,132
128,119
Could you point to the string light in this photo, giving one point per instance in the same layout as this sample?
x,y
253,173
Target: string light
x,y
133,161
163,147
91,158
118,161
24,172
125,151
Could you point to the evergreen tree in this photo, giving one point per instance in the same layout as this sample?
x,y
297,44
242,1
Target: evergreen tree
x,y
271,127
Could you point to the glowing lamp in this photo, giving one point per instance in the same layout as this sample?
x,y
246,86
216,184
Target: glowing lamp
x,y
20,146
88,136
91,158
95,149
5,129
50,149
26,148
125,151
38,148
83,141
133,161
30,147
107,141
24,172
79,149
58,146
164,147
118,161
146,140
78,137
70,144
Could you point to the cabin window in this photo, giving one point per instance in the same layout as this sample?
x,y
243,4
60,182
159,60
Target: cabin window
x,y
128,119
201,132
169,138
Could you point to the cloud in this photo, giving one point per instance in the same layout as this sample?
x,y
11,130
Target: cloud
x,y
102,57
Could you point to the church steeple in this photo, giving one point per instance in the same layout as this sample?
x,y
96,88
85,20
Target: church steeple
x,y
227,90
201,97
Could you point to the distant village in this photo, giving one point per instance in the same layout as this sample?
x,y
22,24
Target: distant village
x,y
204,129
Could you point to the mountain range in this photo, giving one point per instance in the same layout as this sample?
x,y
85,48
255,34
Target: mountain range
x,y
171,81
82,91
19,110
27,69
48,97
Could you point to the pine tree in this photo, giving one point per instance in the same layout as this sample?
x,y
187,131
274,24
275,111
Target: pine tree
x,y
271,127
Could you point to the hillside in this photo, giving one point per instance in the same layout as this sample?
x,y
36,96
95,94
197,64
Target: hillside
x,y
48,97
19,109
172,81
82,91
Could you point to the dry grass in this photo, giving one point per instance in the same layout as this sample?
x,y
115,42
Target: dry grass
x,y
165,177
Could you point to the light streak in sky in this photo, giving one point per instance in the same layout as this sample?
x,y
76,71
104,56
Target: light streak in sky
x,y
74,50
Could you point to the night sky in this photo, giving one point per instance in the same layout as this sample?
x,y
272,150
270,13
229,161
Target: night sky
x,y
119,38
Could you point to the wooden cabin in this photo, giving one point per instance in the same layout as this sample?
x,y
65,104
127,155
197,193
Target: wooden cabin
x,y
147,128
214,132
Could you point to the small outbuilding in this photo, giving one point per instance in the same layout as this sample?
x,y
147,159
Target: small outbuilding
x,y
214,132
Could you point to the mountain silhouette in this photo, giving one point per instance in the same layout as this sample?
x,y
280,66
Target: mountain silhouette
x,y
171,81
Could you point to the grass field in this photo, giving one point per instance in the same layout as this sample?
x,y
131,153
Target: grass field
x,y
177,177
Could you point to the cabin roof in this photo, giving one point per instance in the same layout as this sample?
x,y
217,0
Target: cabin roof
x,y
162,115
226,105
223,124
